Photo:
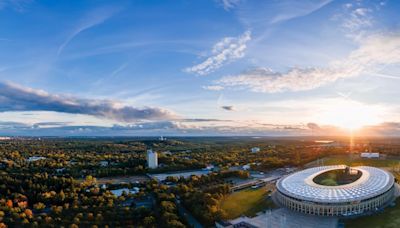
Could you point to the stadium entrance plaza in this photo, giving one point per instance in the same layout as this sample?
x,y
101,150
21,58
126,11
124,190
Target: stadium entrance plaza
x,y
284,218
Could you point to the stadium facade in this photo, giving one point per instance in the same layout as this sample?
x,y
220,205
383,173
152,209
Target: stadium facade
x,y
373,190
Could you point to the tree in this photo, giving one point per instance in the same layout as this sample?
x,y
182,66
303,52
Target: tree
x,y
39,206
28,213
148,221
168,206
174,224
9,203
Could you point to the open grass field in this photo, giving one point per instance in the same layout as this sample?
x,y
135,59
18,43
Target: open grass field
x,y
389,218
247,202
357,161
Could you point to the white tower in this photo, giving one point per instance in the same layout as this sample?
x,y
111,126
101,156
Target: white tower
x,y
152,159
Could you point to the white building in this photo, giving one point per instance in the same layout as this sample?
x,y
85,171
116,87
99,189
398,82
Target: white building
x,y
369,155
152,159
119,192
255,149
35,158
103,163
209,167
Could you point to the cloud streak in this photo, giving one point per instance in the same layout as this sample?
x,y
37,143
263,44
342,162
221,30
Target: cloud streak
x,y
295,9
225,51
14,97
92,19
373,52
261,15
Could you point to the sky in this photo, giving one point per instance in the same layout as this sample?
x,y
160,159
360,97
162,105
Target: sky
x,y
212,67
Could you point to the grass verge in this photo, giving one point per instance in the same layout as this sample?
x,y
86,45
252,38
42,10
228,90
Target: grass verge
x,y
246,202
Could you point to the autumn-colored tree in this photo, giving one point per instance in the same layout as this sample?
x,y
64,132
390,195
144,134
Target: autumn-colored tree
x,y
28,213
9,203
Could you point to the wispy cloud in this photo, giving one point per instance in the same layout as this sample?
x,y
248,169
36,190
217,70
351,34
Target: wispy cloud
x,y
17,5
113,74
14,97
12,125
49,124
93,18
373,51
290,10
225,51
157,125
382,75
229,4
260,15
213,88
356,20
382,129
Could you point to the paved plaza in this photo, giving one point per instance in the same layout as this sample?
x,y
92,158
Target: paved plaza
x,y
284,218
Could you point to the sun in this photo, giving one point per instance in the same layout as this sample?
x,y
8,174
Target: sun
x,y
349,115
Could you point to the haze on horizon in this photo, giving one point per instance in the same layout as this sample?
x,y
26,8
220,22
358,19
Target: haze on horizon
x,y
217,67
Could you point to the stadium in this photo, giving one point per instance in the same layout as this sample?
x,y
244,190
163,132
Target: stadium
x,y
336,190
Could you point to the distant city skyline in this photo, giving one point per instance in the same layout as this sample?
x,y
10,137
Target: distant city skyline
x,y
217,67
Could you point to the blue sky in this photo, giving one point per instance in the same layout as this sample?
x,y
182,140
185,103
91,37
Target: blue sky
x,y
218,67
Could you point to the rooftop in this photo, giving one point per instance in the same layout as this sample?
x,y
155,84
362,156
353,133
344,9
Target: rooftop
x,y
372,182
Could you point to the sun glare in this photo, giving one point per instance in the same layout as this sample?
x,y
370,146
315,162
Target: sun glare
x,y
350,115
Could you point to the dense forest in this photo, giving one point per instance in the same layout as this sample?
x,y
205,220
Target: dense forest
x,y
52,182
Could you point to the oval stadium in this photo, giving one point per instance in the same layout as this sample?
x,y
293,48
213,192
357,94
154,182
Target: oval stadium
x,y
336,190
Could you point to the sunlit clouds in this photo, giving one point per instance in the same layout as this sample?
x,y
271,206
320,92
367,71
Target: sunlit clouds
x,y
226,50
374,52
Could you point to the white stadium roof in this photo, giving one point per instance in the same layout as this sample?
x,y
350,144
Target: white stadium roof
x,y
300,185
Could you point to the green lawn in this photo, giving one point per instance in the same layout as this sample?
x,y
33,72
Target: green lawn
x,y
356,161
247,202
389,218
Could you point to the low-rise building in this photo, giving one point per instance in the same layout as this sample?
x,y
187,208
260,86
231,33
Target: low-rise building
x,y
103,163
209,167
369,155
35,158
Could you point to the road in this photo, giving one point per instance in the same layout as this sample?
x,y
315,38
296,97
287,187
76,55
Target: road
x,y
187,215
